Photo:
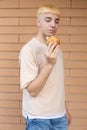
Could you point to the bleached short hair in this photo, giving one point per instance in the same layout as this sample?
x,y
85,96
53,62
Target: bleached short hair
x,y
48,9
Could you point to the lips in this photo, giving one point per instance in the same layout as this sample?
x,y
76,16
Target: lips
x,y
52,31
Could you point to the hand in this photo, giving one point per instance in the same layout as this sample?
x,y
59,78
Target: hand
x,y
51,53
69,118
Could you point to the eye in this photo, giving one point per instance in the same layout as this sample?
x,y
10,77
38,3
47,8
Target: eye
x,y
48,19
57,21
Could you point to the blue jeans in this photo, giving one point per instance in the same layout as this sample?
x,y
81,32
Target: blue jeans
x,y
47,124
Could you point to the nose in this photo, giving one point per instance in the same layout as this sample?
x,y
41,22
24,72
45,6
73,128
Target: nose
x,y
53,24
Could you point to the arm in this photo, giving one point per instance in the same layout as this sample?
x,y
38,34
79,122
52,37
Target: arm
x,y
38,83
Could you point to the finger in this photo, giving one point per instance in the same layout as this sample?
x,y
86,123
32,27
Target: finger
x,y
51,47
56,50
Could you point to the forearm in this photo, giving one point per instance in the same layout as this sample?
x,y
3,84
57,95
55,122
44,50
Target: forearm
x,y
67,106
39,82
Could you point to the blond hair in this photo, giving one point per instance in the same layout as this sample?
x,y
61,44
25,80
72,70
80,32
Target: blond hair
x,y
48,9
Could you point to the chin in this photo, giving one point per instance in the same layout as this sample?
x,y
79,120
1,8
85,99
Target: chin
x,y
50,35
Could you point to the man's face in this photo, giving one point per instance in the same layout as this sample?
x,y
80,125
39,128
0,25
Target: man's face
x,y
48,24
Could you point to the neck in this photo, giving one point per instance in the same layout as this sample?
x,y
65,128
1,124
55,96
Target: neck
x,y
41,38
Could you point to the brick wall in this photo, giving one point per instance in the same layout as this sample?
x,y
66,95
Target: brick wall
x,y
17,26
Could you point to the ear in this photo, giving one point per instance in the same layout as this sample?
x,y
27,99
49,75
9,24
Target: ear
x,y
38,22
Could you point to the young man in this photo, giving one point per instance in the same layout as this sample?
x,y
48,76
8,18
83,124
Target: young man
x,y
42,76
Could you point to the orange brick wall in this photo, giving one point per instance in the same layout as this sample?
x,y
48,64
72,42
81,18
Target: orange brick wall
x,y
17,26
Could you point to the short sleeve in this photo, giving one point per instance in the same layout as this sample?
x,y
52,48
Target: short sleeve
x,y
28,67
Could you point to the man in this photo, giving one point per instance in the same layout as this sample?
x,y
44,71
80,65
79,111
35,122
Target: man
x,y
42,76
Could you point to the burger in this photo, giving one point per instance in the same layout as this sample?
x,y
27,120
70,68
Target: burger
x,y
53,39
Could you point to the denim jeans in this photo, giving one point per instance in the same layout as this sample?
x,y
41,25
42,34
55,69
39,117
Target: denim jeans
x,y
47,124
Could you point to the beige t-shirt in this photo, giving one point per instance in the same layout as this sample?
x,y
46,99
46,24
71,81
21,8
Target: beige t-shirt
x,y
51,100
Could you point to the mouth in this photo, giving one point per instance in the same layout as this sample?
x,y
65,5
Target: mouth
x,y
52,32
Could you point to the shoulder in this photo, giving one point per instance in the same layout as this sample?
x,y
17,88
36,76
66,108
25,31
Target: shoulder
x,y
27,47
25,50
